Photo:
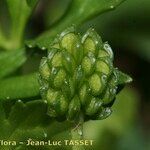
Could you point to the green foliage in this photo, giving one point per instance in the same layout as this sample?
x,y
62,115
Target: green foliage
x,y
32,3
29,119
11,61
26,121
19,13
129,26
22,116
18,87
78,13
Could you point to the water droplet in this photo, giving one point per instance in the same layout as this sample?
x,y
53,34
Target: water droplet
x,y
43,48
108,49
80,132
107,46
106,112
78,45
112,90
104,77
75,109
96,42
99,103
91,56
45,102
54,70
7,97
19,100
30,46
43,88
89,89
66,82
45,135
68,59
111,6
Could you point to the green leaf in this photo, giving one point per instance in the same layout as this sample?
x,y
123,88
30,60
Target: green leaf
x,y
2,38
123,78
126,35
26,86
28,120
20,11
32,3
79,12
11,61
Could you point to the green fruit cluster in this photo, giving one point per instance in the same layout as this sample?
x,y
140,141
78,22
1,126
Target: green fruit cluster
x,y
78,76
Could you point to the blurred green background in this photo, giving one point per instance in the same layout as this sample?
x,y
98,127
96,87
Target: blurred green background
x,y
127,29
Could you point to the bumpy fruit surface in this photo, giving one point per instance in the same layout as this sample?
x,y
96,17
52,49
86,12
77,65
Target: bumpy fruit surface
x,y
78,76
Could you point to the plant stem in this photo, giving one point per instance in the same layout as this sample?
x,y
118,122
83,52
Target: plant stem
x,y
77,133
